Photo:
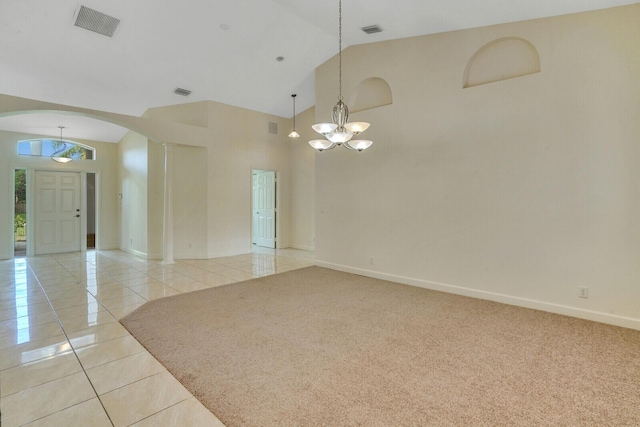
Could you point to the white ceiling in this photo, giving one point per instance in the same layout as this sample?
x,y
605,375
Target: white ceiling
x,y
222,50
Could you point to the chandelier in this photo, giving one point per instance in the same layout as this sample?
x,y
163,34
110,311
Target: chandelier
x,y
340,131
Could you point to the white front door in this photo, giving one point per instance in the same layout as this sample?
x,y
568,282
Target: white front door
x,y
264,208
57,212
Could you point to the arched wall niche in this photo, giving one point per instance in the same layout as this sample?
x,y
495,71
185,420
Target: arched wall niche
x,y
501,59
370,93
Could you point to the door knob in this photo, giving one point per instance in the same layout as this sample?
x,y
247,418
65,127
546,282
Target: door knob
x,y
78,216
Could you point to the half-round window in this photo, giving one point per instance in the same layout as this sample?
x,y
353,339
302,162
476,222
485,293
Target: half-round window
x,y
56,149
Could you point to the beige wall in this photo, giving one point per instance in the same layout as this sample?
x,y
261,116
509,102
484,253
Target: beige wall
x,y
133,178
242,143
155,200
103,166
303,183
141,182
190,183
518,191
142,207
212,185
190,203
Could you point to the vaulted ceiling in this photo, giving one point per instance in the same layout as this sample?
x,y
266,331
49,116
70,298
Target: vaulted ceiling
x,y
221,50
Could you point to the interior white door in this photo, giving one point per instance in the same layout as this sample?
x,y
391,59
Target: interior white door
x,y
56,212
264,208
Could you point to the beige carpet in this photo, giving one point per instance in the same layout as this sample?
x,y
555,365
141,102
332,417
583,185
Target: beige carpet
x,y
317,347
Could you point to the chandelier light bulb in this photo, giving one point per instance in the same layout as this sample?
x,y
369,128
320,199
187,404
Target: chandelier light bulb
x,y
61,159
356,127
358,144
339,137
321,144
324,128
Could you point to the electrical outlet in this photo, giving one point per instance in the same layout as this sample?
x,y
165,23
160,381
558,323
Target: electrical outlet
x,y
371,260
583,292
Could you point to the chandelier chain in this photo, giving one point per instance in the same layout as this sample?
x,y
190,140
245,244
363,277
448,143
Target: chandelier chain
x,y
340,50
62,145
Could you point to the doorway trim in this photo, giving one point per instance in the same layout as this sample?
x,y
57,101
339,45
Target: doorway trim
x,y
30,176
13,211
276,204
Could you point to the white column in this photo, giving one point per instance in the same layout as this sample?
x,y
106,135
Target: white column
x,y
167,249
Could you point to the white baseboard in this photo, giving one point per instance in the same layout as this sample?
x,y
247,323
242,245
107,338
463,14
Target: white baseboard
x,y
189,256
107,247
611,319
227,254
303,247
135,252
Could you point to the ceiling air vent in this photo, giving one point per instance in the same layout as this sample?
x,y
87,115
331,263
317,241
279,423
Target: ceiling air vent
x,y
97,22
182,92
371,29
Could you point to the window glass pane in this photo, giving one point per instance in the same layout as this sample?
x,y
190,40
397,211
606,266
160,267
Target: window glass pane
x,y
55,148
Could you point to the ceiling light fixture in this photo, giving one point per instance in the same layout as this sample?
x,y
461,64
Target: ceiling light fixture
x,y
340,132
62,147
293,133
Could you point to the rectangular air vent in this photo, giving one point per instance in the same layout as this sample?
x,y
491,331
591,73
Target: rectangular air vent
x,y
97,22
183,92
273,128
371,29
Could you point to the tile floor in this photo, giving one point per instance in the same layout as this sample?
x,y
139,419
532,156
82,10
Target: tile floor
x,y
65,360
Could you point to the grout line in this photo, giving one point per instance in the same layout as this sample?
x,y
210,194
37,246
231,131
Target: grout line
x,y
164,409
48,415
115,265
70,345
